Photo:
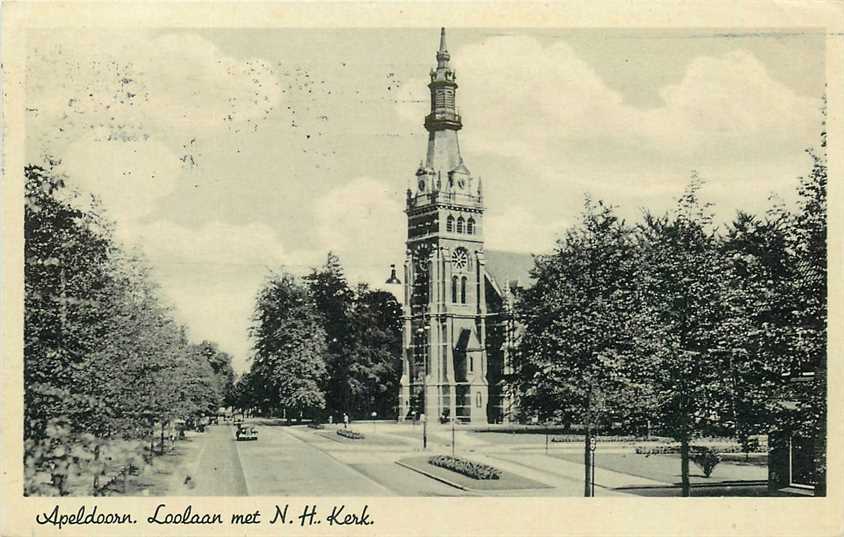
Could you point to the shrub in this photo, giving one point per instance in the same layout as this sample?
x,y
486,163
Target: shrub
x,y
352,435
705,458
468,468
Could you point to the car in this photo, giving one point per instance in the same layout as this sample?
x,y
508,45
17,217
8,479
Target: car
x,y
245,432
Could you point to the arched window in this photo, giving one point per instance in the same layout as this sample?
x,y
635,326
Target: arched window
x,y
470,226
449,224
460,225
454,289
463,290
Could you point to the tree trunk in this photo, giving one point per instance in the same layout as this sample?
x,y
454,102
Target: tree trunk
x,y
161,448
587,462
684,466
97,474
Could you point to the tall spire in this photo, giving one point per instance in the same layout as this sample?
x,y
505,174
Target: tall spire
x,y
443,87
442,54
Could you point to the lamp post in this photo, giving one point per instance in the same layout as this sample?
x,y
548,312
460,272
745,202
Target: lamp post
x,y
452,436
423,342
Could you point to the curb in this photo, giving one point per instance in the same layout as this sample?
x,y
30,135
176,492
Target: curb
x,y
434,477
748,483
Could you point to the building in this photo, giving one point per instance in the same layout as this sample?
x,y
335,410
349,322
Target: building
x,y
456,329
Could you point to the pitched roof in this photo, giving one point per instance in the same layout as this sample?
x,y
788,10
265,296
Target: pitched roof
x,y
507,268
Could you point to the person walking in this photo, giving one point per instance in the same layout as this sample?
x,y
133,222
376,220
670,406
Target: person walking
x,y
345,420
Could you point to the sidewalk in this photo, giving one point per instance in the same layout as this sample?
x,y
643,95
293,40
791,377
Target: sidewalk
x,y
573,471
568,482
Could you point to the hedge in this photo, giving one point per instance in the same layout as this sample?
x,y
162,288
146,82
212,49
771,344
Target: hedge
x,y
674,449
468,468
353,435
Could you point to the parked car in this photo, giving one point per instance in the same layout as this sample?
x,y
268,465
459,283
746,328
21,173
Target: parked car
x,y
246,432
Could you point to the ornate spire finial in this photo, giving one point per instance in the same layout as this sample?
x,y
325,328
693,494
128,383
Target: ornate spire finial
x,y
442,54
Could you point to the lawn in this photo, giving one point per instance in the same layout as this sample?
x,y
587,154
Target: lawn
x,y
666,468
510,438
507,481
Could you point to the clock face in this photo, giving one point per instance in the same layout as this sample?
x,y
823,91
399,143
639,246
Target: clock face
x,y
422,185
460,259
421,256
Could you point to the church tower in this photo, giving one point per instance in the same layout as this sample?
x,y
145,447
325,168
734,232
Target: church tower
x,y
444,362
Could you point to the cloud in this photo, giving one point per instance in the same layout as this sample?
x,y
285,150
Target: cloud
x,y
358,222
213,243
517,229
211,274
128,177
135,85
544,129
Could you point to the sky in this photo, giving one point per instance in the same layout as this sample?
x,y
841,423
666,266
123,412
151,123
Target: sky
x,y
224,154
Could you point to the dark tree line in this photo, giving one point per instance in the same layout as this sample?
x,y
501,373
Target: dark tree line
x,y
104,361
673,323
322,348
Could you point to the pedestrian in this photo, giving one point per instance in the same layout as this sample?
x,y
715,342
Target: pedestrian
x,y
345,420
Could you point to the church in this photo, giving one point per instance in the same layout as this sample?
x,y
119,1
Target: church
x,y
457,343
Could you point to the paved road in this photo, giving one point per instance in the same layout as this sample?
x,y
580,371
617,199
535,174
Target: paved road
x,y
279,464
216,471
284,463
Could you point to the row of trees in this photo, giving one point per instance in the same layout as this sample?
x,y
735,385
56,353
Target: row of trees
x,y
321,347
676,323
104,360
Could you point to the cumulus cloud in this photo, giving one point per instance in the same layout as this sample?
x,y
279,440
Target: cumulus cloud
x,y
130,86
517,229
213,243
541,103
557,131
357,221
128,177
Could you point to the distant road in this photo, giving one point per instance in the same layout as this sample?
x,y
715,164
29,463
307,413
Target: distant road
x,y
218,472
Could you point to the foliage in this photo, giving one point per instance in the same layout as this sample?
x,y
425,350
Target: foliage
x,y
288,366
574,317
104,361
468,468
705,458
574,321
684,328
363,341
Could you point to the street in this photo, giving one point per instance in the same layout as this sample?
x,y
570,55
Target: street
x,y
282,463
299,461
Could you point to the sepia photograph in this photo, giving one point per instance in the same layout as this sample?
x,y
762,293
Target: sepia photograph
x,y
425,262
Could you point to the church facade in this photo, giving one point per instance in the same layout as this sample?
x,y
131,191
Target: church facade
x,y
456,333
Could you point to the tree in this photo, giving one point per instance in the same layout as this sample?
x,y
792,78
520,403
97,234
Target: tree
x,y
66,278
574,325
289,347
680,289
221,366
103,358
334,300
376,324
755,337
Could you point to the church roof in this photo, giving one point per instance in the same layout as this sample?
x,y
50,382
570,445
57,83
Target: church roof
x,y
507,268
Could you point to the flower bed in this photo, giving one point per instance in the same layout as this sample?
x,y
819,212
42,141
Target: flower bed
x,y
573,438
348,433
314,425
467,468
